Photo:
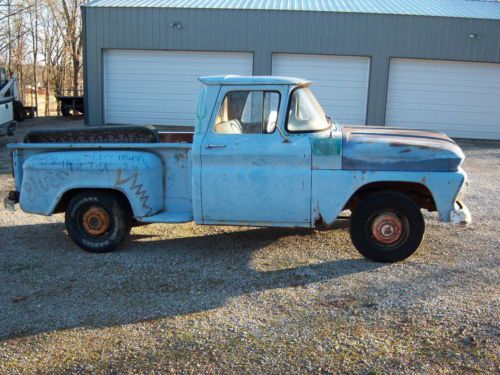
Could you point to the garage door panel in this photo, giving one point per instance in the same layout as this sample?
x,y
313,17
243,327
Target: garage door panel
x,y
155,115
153,94
423,68
444,106
454,79
459,98
446,117
161,87
463,130
155,105
456,100
461,91
340,82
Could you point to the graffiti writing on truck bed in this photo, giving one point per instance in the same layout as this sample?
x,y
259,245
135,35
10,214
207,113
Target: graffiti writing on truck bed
x,y
45,181
134,186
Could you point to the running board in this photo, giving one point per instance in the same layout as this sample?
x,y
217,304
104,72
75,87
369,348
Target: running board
x,y
168,217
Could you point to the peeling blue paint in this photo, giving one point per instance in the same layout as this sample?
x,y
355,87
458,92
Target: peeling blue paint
x,y
389,149
247,179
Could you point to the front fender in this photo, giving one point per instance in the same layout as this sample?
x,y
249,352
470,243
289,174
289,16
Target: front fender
x,y
332,189
137,174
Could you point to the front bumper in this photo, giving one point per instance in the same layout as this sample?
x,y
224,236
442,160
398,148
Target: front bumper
x,y
460,215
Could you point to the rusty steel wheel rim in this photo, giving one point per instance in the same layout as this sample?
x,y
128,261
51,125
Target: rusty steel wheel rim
x,y
96,221
387,228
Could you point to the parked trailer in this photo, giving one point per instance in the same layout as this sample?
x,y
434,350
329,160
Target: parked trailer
x,y
71,104
263,154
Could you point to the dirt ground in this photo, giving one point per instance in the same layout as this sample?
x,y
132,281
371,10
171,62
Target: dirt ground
x,y
194,299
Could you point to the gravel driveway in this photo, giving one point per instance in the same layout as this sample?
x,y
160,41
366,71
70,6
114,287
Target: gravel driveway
x,y
194,299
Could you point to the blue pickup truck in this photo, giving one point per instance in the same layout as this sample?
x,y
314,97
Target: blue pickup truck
x,y
263,153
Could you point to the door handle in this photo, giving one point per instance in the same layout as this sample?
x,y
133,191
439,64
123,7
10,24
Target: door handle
x,y
215,146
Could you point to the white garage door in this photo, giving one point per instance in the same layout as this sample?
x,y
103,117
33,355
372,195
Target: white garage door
x,y
161,87
339,82
458,98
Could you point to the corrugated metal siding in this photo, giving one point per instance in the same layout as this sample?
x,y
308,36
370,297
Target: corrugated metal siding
x,y
265,32
441,8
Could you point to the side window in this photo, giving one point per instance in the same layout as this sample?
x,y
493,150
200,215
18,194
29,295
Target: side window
x,y
248,112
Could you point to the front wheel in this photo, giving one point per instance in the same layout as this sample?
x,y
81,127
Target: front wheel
x,y
19,111
387,227
98,221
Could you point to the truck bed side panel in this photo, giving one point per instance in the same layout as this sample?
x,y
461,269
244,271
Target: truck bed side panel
x,y
137,174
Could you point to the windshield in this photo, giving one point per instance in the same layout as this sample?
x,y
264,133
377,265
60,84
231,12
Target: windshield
x,y
306,114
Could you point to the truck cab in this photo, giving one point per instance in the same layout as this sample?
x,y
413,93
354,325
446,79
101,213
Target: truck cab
x,y
263,153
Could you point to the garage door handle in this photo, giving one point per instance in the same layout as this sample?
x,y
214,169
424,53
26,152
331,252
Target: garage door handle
x,y
215,146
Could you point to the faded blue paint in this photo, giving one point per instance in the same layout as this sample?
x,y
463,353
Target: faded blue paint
x,y
174,165
331,190
231,80
391,149
249,179
47,176
327,150
255,172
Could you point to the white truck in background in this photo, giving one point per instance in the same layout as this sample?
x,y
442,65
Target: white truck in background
x,y
12,109
7,123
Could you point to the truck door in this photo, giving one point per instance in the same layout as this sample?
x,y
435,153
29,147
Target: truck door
x,y
249,175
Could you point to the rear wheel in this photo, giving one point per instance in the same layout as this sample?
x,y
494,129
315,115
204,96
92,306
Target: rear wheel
x,y
66,110
387,227
98,221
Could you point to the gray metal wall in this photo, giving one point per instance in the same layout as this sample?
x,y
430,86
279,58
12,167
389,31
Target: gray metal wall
x,y
265,32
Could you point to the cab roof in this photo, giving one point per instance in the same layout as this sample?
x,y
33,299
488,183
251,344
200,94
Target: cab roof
x,y
252,80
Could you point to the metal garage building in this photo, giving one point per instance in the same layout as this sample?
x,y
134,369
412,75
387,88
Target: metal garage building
x,y
429,64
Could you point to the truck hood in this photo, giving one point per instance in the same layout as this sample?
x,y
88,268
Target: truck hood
x,y
393,149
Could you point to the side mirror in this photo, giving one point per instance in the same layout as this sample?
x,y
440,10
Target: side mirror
x,y
271,122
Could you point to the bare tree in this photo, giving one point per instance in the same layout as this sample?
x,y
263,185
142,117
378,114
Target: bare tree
x,y
33,15
53,50
41,41
67,16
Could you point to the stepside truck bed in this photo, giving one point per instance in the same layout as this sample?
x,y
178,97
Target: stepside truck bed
x,y
154,171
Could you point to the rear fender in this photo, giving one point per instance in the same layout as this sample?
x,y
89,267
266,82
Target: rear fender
x,y
48,176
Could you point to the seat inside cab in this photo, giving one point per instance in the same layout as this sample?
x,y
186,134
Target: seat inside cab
x,y
246,112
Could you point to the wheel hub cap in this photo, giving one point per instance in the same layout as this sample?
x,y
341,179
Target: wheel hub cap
x,y
96,221
387,228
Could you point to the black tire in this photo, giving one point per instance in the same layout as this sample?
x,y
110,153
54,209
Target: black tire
x,y
11,129
387,227
30,112
66,110
19,112
98,221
